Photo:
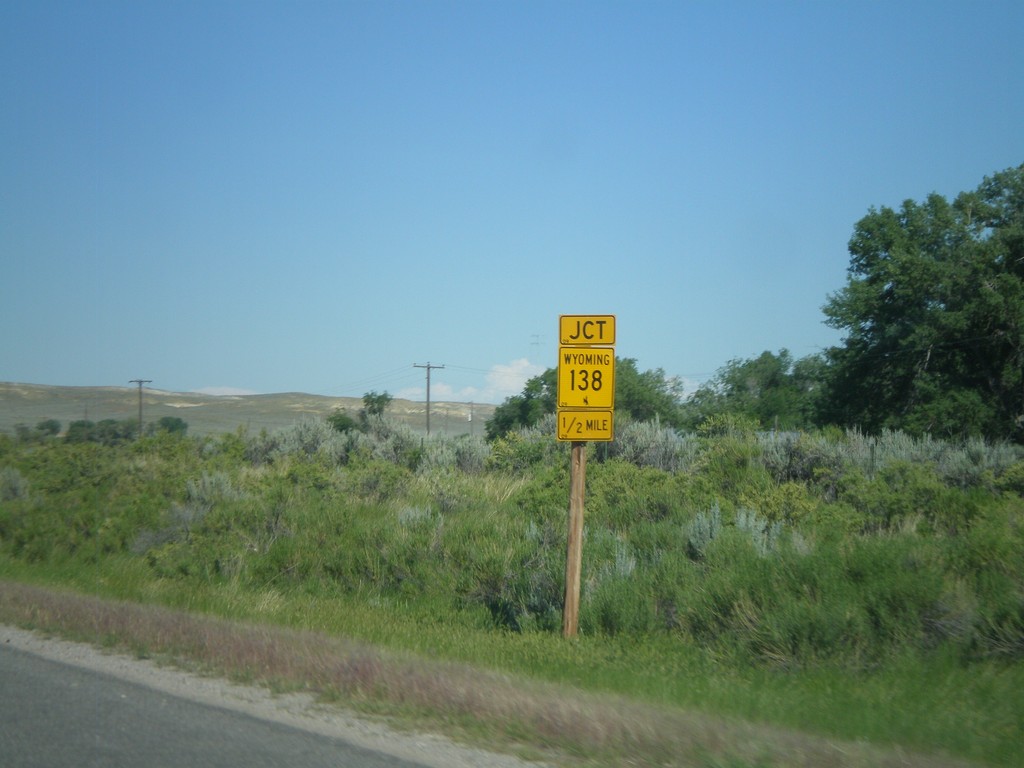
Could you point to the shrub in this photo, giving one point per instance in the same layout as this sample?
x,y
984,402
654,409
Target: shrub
x,y
903,493
394,442
764,533
616,596
12,484
982,609
438,454
1012,479
800,457
792,606
702,530
341,421
617,604
172,424
471,454
306,437
81,431
210,488
740,549
513,568
649,444
620,494
376,481
788,502
520,450
732,425
48,427
467,454
731,464
542,497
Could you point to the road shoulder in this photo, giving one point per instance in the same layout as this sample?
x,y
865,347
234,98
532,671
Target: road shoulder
x,y
296,710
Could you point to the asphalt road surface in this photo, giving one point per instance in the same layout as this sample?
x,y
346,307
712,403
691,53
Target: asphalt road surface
x,y
54,715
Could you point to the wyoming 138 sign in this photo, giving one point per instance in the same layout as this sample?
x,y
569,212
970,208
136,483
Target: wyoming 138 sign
x,y
586,377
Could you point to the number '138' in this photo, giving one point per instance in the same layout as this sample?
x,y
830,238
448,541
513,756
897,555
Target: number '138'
x,y
583,380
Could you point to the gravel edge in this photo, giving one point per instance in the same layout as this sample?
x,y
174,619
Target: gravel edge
x,y
296,710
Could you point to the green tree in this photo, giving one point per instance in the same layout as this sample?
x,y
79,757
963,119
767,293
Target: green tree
x,y
107,431
173,424
114,432
341,421
525,409
648,395
80,431
375,403
933,310
44,429
48,427
773,390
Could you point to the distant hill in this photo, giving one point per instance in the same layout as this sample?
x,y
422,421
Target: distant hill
x,y
29,404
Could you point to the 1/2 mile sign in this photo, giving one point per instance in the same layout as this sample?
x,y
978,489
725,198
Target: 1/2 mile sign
x,y
585,425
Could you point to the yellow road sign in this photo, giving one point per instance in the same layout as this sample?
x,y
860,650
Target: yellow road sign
x,y
586,330
586,377
586,425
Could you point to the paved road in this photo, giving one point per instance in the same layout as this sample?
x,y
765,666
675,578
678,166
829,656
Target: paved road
x,y
53,715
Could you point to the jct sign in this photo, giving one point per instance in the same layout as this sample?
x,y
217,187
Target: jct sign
x,y
588,330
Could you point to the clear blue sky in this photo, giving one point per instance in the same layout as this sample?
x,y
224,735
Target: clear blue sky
x,y
314,196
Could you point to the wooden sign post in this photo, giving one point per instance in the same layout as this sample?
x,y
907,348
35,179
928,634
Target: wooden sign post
x,y
586,403
574,550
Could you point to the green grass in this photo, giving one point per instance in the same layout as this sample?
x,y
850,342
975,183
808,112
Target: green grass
x,y
926,705
825,718
871,612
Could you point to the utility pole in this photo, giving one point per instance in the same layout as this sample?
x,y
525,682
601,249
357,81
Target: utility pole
x,y
429,367
140,382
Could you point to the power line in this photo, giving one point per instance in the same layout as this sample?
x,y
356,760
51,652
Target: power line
x,y
374,377
471,370
386,377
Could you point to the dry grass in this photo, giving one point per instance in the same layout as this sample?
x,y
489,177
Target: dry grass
x,y
562,725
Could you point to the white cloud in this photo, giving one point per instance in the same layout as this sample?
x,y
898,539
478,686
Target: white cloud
x,y
690,386
505,380
438,391
501,380
441,391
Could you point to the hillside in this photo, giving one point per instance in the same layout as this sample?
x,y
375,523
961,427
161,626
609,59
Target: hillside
x,y
29,404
